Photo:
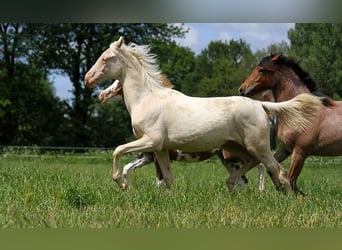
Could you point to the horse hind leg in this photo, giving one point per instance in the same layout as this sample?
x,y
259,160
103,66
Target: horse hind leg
x,y
259,148
277,173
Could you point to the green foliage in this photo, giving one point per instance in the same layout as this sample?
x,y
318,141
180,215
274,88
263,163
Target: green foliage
x,y
29,111
177,63
31,114
222,67
111,125
80,198
76,191
318,48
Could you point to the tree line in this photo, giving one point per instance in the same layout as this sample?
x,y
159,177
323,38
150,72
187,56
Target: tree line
x,y
32,114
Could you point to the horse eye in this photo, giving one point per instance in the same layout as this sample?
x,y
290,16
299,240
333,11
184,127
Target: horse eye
x,y
261,70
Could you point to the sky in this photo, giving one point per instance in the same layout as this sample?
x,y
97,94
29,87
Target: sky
x,y
257,35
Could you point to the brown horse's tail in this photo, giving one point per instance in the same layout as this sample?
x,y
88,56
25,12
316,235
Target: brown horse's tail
x,y
296,113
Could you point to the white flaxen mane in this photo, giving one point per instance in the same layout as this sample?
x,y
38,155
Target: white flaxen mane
x,y
149,63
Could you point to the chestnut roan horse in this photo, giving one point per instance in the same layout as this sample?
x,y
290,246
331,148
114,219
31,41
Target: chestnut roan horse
x,y
163,118
287,79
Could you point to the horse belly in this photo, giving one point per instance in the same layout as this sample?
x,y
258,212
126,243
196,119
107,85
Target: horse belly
x,y
196,142
198,136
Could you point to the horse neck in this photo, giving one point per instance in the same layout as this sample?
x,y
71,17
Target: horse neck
x,y
288,86
133,91
135,88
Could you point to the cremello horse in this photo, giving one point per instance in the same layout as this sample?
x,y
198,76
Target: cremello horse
x,y
163,118
229,161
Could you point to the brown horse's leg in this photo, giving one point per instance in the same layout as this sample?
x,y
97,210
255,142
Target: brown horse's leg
x,y
159,174
165,166
297,163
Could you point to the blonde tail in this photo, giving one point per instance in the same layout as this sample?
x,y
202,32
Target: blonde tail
x,y
296,113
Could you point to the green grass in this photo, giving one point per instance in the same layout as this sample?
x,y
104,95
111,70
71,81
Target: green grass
x,y
73,191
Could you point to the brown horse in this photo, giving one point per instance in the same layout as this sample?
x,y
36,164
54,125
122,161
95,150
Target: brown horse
x,y
287,79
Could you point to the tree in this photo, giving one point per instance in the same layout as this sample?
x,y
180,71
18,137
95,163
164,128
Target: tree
x,y
73,48
29,111
222,67
273,48
177,63
318,49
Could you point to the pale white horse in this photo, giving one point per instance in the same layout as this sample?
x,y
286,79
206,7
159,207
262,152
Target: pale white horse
x,y
229,161
163,118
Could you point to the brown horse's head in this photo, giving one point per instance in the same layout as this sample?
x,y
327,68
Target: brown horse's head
x,y
262,78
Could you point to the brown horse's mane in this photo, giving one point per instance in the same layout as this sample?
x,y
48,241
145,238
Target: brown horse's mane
x,y
302,74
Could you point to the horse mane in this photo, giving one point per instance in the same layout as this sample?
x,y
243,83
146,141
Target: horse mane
x,y
293,64
149,63
302,74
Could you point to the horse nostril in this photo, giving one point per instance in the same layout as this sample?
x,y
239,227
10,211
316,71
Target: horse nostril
x,y
241,91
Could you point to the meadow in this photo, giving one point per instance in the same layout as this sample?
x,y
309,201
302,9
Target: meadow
x,y
74,190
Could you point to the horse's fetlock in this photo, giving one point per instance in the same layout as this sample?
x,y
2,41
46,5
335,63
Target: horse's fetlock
x,y
230,183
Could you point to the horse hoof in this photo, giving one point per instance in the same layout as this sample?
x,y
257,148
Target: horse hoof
x,y
297,191
116,178
125,186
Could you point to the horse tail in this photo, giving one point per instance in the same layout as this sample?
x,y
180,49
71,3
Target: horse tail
x,y
296,113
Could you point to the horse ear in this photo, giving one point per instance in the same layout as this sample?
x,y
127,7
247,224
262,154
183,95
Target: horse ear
x,y
277,57
119,42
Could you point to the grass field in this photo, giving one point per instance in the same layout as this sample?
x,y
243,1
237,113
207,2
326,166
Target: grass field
x,y
76,191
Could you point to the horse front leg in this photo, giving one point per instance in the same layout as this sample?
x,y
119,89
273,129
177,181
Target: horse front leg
x,y
297,163
248,165
163,159
262,171
231,165
159,174
143,144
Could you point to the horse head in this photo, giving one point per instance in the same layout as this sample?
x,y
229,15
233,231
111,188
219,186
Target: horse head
x,y
263,76
108,65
